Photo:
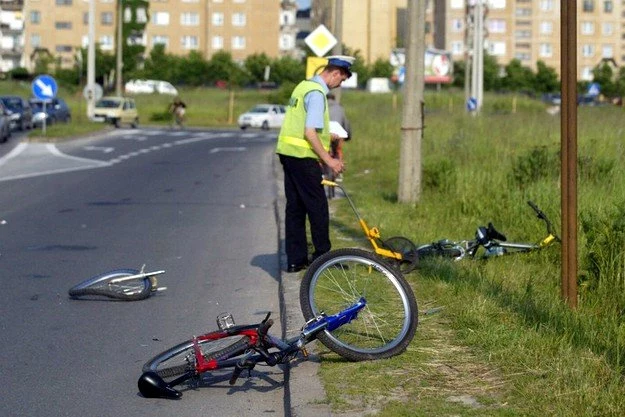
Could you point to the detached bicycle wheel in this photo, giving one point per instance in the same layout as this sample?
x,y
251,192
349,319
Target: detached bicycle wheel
x,y
408,251
337,280
105,285
180,359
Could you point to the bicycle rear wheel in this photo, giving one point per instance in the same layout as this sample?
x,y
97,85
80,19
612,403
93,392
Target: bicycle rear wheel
x,y
181,358
386,325
101,285
435,249
408,252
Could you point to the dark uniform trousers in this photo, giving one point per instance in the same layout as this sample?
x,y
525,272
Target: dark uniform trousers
x,y
305,196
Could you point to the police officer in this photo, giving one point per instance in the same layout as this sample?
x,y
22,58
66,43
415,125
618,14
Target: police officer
x,y
303,143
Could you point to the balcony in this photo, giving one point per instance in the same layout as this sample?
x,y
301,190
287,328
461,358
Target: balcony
x,y
12,5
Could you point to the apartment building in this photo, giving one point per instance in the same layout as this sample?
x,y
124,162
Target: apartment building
x,y
528,30
11,34
241,27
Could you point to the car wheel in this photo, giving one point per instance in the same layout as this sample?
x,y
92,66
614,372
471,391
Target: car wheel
x,y
243,127
135,123
265,125
116,123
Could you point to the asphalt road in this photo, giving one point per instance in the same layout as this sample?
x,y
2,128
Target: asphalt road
x,y
199,204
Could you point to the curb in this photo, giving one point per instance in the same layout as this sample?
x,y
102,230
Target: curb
x,y
304,393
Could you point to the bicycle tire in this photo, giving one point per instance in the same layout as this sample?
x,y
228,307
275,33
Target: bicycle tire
x,y
408,252
386,325
434,250
180,359
100,285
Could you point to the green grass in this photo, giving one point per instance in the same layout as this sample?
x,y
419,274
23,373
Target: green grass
x,y
504,341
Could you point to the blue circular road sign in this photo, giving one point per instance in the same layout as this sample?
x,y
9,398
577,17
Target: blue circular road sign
x,y
44,87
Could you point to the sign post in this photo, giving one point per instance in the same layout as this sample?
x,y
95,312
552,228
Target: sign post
x,y
44,87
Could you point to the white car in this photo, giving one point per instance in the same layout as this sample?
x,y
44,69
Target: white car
x,y
150,86
265,116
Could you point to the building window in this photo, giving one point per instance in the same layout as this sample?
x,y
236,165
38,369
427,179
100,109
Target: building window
x,y
607,29
287,42
608,6
142,16
588,5
63,2
63,48
522,34
496,25
457,4
106,18
497,48
35,17
546,5
238,42
160,18
587,74
457,47
238,1
238,19
189,42
457,25
189,19
35,40
522,12
63,25
545,50
496,4
607,51
106,43
217,42
522,56
160,40
218,19
588,28
588,50
546,28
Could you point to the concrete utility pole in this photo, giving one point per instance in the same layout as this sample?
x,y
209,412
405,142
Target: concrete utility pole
x,y
120,64
91,61
477,66
412,119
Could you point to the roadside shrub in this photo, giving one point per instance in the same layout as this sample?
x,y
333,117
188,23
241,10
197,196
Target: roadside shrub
x,y
604,258
439,175
282,94
163,116
595,170
537,164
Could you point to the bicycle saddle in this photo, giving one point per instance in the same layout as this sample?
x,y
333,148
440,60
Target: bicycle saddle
x,y
153,386
485,234
494,234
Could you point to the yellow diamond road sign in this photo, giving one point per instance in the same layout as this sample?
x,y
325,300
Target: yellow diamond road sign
x,y
320,40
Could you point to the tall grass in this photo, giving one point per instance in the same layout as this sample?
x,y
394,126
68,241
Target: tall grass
x,y
480,169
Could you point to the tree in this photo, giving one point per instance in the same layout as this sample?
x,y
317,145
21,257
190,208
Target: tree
x,y
492,80
546,79
255,65
518,77
603,75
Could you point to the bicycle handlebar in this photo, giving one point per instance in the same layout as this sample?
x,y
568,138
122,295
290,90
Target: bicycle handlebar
x,y
543,217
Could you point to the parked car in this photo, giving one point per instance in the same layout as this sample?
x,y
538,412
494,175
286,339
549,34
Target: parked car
x,y
264,116
150,86
56,110
21,114
5,123
116,110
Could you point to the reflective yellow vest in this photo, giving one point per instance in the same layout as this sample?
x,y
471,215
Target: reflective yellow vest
x,y
291,141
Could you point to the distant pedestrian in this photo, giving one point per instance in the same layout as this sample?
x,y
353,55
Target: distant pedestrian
x,y
178,109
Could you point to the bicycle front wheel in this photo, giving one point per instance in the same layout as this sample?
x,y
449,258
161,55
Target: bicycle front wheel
x,y
386,325
107,286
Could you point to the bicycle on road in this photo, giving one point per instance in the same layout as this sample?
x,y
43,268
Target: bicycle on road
x,y
355,304
119,284
399,251
492,241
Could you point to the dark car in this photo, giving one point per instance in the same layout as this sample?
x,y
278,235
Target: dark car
x,y
56,110
5,123
21,114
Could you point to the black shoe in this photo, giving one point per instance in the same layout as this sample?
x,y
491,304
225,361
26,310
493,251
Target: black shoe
x,y
296,267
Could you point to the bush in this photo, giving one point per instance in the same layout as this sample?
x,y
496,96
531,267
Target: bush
x,y
539,163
